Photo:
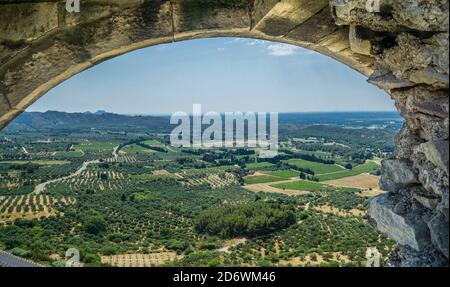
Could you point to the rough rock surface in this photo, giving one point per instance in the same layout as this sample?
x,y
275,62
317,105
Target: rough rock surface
x,y
402,47
395,219
409,41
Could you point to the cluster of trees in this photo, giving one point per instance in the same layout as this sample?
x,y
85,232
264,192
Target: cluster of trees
x,y
291,155
354,145
344,200
190,163
302,170
376,139
94,223
246,219
277,159
145,216
223,156
317,235
155,148
315,159
308,177
28,167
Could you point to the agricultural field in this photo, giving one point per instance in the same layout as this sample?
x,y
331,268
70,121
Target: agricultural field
x,y
122,159
126,198
31,206
94,146
36,162
283,173
312,186
258,165
367,167
94,180
321,154
69,154
135,149
362,181
154,143
227,167
318,168
215,180
140,260
319,240
261,178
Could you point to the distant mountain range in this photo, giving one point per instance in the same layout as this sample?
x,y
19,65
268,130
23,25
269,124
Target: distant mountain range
x,y
52,120
58,121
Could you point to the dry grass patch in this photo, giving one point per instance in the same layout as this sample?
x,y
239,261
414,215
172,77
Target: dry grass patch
x,y
362,181
371,192
369,184
340,212
232,243
315,259
160,172
265,187
140,260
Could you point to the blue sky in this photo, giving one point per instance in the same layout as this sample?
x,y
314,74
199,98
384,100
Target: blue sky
x,y
224,74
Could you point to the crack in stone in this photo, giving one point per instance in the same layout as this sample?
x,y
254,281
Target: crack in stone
x,y
7,101
251,10
172,18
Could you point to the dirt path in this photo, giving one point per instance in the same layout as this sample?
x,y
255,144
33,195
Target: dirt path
x,y
308,205
232,243
115,152
41,187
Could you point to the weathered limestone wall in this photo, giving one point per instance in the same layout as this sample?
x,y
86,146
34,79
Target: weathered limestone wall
x,y
402,48
409,40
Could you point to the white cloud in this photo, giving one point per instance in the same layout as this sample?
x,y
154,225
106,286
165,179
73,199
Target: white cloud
x,y
256,43
281,50
273,49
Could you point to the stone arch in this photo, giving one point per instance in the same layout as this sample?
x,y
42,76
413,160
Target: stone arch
x,y
402,48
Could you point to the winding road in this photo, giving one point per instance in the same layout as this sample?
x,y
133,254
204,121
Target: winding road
x,y
115,152
41,187
9,260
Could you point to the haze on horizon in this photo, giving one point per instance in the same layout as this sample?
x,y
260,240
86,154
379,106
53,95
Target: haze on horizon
x,y
222,74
